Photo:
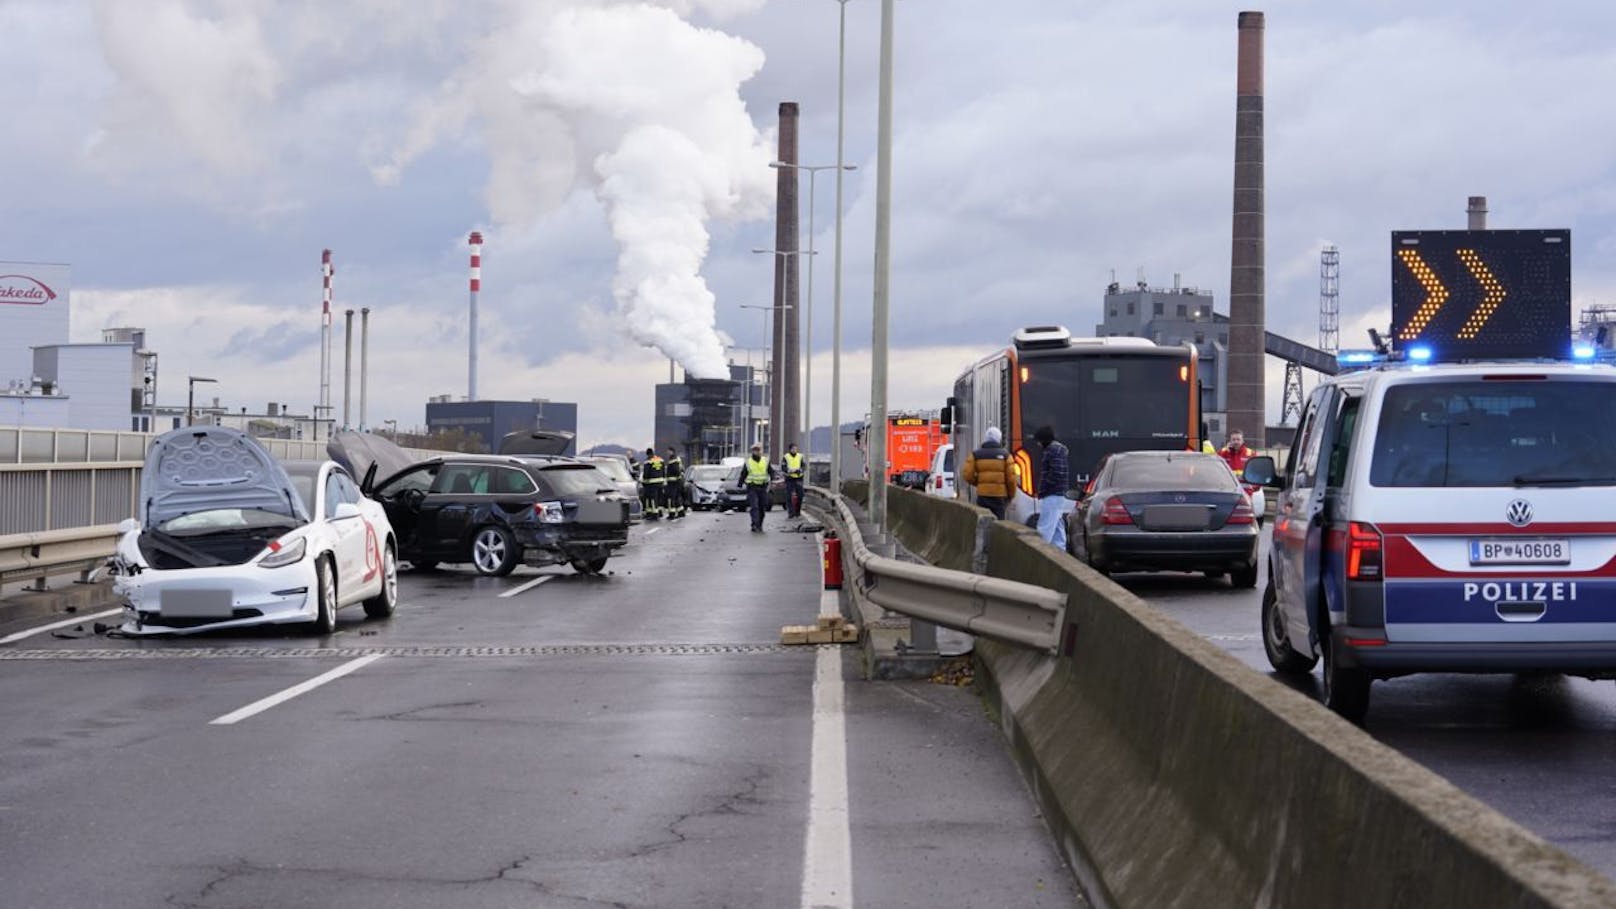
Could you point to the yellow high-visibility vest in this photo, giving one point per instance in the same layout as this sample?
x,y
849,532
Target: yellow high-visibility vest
x,y
793,465
757,471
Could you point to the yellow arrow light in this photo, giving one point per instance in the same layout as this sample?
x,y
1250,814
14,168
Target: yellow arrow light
x,y
1493,293
1435,294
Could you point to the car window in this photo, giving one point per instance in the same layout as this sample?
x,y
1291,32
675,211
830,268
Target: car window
x,y
333,494
462,479
418,479
576,480
1346,428
1301,466
613,468
1207,472
350,489
1496,432
948,461
510,481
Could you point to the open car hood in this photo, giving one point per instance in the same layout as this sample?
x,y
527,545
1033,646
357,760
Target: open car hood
x,y
203,468
535,442
364,452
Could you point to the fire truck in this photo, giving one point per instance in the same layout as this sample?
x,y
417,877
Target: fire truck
x,y
912,438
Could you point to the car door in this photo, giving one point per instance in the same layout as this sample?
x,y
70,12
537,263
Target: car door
x,y
1300,525
347,537
404,497
456,495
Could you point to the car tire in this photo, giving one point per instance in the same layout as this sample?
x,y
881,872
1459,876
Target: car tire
x,y
589,566
1346,689
1285,659
385,601
325,597
424,564
494,552
1243,577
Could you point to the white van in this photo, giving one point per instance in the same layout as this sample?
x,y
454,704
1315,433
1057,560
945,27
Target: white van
x,y
1447,518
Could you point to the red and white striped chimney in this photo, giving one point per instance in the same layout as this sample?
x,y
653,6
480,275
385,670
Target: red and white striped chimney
x,y
326,271
476,241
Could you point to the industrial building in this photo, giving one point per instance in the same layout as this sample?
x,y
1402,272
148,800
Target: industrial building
x,y
1176,315
491,421
706,420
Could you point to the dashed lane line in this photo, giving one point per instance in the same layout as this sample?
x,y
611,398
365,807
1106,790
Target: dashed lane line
x,y
526,587
55,625
827,868
282,697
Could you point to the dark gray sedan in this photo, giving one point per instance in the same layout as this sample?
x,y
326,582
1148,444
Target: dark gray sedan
x,y
1166,510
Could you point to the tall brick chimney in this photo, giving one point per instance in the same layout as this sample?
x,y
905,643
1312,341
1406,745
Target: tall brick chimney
x,y
1247,391
785,392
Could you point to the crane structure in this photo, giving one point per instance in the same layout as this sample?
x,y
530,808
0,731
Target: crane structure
x,y
1329,332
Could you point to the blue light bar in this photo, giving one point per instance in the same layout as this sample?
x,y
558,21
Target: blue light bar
x,y
1583,352
1356,357
1420,354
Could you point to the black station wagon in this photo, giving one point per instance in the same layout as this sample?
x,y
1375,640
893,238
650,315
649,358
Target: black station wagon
x,y
493,511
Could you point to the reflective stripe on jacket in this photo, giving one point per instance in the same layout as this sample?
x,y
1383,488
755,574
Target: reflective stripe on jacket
x,y
652,472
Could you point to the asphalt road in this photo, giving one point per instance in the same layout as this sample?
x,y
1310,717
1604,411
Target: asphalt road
x,y
636,740
1542,750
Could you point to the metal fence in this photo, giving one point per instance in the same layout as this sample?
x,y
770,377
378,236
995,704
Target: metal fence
x,y
53,479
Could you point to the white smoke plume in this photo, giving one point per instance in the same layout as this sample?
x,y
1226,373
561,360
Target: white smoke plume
x,y
625,97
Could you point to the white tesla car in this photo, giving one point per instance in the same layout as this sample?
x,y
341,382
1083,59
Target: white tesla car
x,y
226,537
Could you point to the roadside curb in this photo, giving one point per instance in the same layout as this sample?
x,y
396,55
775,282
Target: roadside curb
x,y
21,610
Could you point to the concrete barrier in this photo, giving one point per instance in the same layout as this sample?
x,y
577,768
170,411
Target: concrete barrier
x,y
1174,775
944,532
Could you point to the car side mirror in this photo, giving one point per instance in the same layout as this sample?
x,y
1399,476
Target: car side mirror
x,y
1259,471
345,511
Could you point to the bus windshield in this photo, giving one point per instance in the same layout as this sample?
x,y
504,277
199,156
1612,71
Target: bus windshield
x,y
1102,404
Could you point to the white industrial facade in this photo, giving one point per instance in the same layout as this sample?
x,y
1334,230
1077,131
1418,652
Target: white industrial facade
x,y
34,311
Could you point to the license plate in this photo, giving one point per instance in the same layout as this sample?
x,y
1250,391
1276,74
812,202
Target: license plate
x,y
197,604
1520,552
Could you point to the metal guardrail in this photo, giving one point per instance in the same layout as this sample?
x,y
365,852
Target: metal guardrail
x,y
42,497
37,556
1010,611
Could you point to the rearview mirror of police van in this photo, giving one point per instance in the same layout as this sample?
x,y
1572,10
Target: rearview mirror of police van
x,y
1259,471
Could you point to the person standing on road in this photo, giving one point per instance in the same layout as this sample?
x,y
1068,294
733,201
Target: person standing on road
x,y
653,477
1054,476
673,490
991,471
791,464
756,472
1235,452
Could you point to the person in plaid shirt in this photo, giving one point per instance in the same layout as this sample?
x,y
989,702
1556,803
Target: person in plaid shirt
x,y
1054,476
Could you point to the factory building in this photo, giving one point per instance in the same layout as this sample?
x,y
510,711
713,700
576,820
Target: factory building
x,y
1176,315
491,421
707,420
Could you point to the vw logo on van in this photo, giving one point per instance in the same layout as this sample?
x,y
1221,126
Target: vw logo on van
x,y
1519,513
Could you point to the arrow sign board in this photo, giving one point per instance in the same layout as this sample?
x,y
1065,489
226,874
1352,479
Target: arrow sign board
x,y
1482,294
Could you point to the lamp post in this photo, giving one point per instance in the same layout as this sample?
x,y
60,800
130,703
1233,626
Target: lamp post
x,y
778,419
392,428
764,311
883,277
836,305
808,333
190,397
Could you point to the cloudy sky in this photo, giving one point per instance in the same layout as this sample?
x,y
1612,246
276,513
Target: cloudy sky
x,y
190,159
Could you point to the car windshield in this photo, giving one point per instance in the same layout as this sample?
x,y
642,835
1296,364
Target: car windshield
x,y
302,478
708,473
1496,432
218,520
1189,471
613,468
577,480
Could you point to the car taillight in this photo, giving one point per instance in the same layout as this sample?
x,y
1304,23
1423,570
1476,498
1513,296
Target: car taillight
x,y
939,481
1242,513
1363,552
1115,512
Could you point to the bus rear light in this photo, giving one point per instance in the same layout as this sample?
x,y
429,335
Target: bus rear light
x,y
1115,512
1024,465
1024,375
1183,374
1363,553
1242,513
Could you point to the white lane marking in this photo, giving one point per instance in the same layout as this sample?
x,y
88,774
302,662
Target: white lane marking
x,y
55,625
827,867
652,530
257,707
526,587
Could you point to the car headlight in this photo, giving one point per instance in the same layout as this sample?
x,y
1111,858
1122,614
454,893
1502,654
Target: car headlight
x,y
281,555
550,513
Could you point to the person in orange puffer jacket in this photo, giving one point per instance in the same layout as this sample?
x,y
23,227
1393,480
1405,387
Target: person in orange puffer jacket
x,y
992,472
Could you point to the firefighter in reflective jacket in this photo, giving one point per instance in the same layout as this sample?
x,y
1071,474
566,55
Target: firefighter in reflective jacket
x,y
673,491
756,472
791,464
653,477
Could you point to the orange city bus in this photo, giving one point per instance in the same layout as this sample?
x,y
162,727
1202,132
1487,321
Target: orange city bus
x,y
1100,395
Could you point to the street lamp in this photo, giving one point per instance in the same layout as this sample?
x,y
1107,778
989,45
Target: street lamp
x,y
777,419
190,397
881,297
764,311
808,334
392,427
836,306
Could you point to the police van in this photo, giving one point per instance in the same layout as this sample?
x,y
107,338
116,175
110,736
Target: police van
x,y
1447,518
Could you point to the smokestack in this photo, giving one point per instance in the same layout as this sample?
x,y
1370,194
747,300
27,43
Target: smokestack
x,y
1247,390
1476,212
784,393
476,241
364,362
326,271
347,366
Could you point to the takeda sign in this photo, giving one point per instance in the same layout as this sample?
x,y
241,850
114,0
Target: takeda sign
x,y
23,289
